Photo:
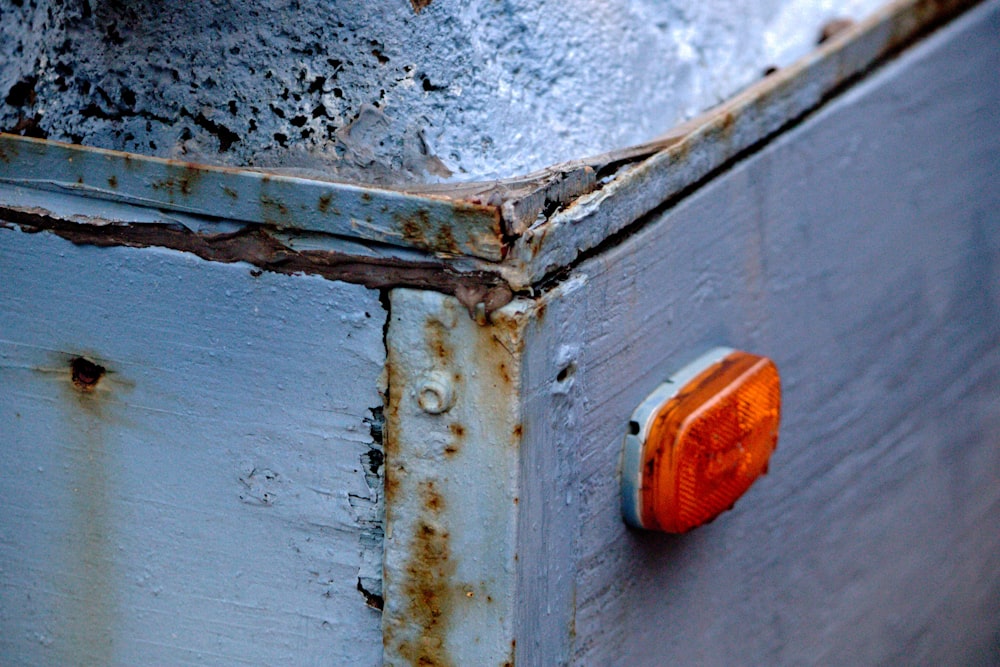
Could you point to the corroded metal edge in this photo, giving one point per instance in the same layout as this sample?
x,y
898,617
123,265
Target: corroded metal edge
x,y
480,292
649,175
539,222
431,222
452,456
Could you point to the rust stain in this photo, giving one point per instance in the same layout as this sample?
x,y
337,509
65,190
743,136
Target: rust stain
x,y
436,340
390,480
503,373
229,192
445,239
85,374
257,247
272,204
458,439
179,184
419,4
832,28
324,203
430,595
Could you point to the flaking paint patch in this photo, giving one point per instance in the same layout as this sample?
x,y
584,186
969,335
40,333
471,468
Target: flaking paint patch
x,y
256,246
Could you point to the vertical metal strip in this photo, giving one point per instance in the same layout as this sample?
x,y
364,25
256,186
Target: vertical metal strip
x,y
452,455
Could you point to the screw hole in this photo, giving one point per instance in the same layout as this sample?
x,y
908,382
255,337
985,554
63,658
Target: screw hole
x,y
566,373
633,428
85,373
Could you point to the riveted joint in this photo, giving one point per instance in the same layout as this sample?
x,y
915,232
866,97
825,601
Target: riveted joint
x,y
436,393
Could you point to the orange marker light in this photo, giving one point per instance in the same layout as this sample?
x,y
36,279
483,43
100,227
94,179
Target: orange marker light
x,y
700,440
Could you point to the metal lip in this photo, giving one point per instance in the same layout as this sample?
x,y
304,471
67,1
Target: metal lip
x,y
638,428
500,221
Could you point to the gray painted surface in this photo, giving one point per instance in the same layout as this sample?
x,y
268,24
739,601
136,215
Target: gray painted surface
x,y
453,435
377,92
861,251
212,501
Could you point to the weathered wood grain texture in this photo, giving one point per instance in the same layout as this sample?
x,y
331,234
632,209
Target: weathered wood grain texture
x,y
212,500
860,250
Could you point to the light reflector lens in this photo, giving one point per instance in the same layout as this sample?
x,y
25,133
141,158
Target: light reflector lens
x,y
700,440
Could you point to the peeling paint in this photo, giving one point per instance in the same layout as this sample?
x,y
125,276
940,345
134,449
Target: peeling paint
x,y
256,246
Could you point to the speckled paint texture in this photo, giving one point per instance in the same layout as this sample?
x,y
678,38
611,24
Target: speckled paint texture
x,y
386,91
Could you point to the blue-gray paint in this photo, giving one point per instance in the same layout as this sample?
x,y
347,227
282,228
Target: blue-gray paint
x,y
209,501
286,202
861,252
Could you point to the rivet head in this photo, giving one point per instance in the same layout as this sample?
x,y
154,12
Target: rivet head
x,y
436,394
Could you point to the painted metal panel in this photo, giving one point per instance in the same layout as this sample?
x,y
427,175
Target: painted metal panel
x,y
215,499
427,222
861,251
637,181
453,434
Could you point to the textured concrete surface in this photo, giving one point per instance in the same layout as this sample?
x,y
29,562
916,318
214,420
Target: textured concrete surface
x,y
379,91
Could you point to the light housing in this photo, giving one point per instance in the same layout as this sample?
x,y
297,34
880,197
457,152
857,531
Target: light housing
x,y
698,442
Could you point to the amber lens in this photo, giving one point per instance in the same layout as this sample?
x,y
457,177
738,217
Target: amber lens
x,y
709,443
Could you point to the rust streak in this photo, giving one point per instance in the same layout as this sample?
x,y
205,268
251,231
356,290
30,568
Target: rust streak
x,y
429,592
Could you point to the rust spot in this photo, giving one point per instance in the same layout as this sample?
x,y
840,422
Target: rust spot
x,y
418,230
113,181
518,431
458,433
414,226
445,240
271,206
436,334
433,501
728,122
504,373
324,203
229,192
833,28
430,596
366,196
419,4
79,180
85,373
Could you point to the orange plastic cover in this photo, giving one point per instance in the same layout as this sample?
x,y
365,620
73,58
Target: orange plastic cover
x,y
708,444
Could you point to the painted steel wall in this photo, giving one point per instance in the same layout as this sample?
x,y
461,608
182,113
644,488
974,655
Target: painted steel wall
x,y
861,251
215,498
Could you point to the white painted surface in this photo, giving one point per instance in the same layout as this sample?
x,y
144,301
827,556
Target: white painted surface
x,y
208,502
453,435
375,92
861,252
